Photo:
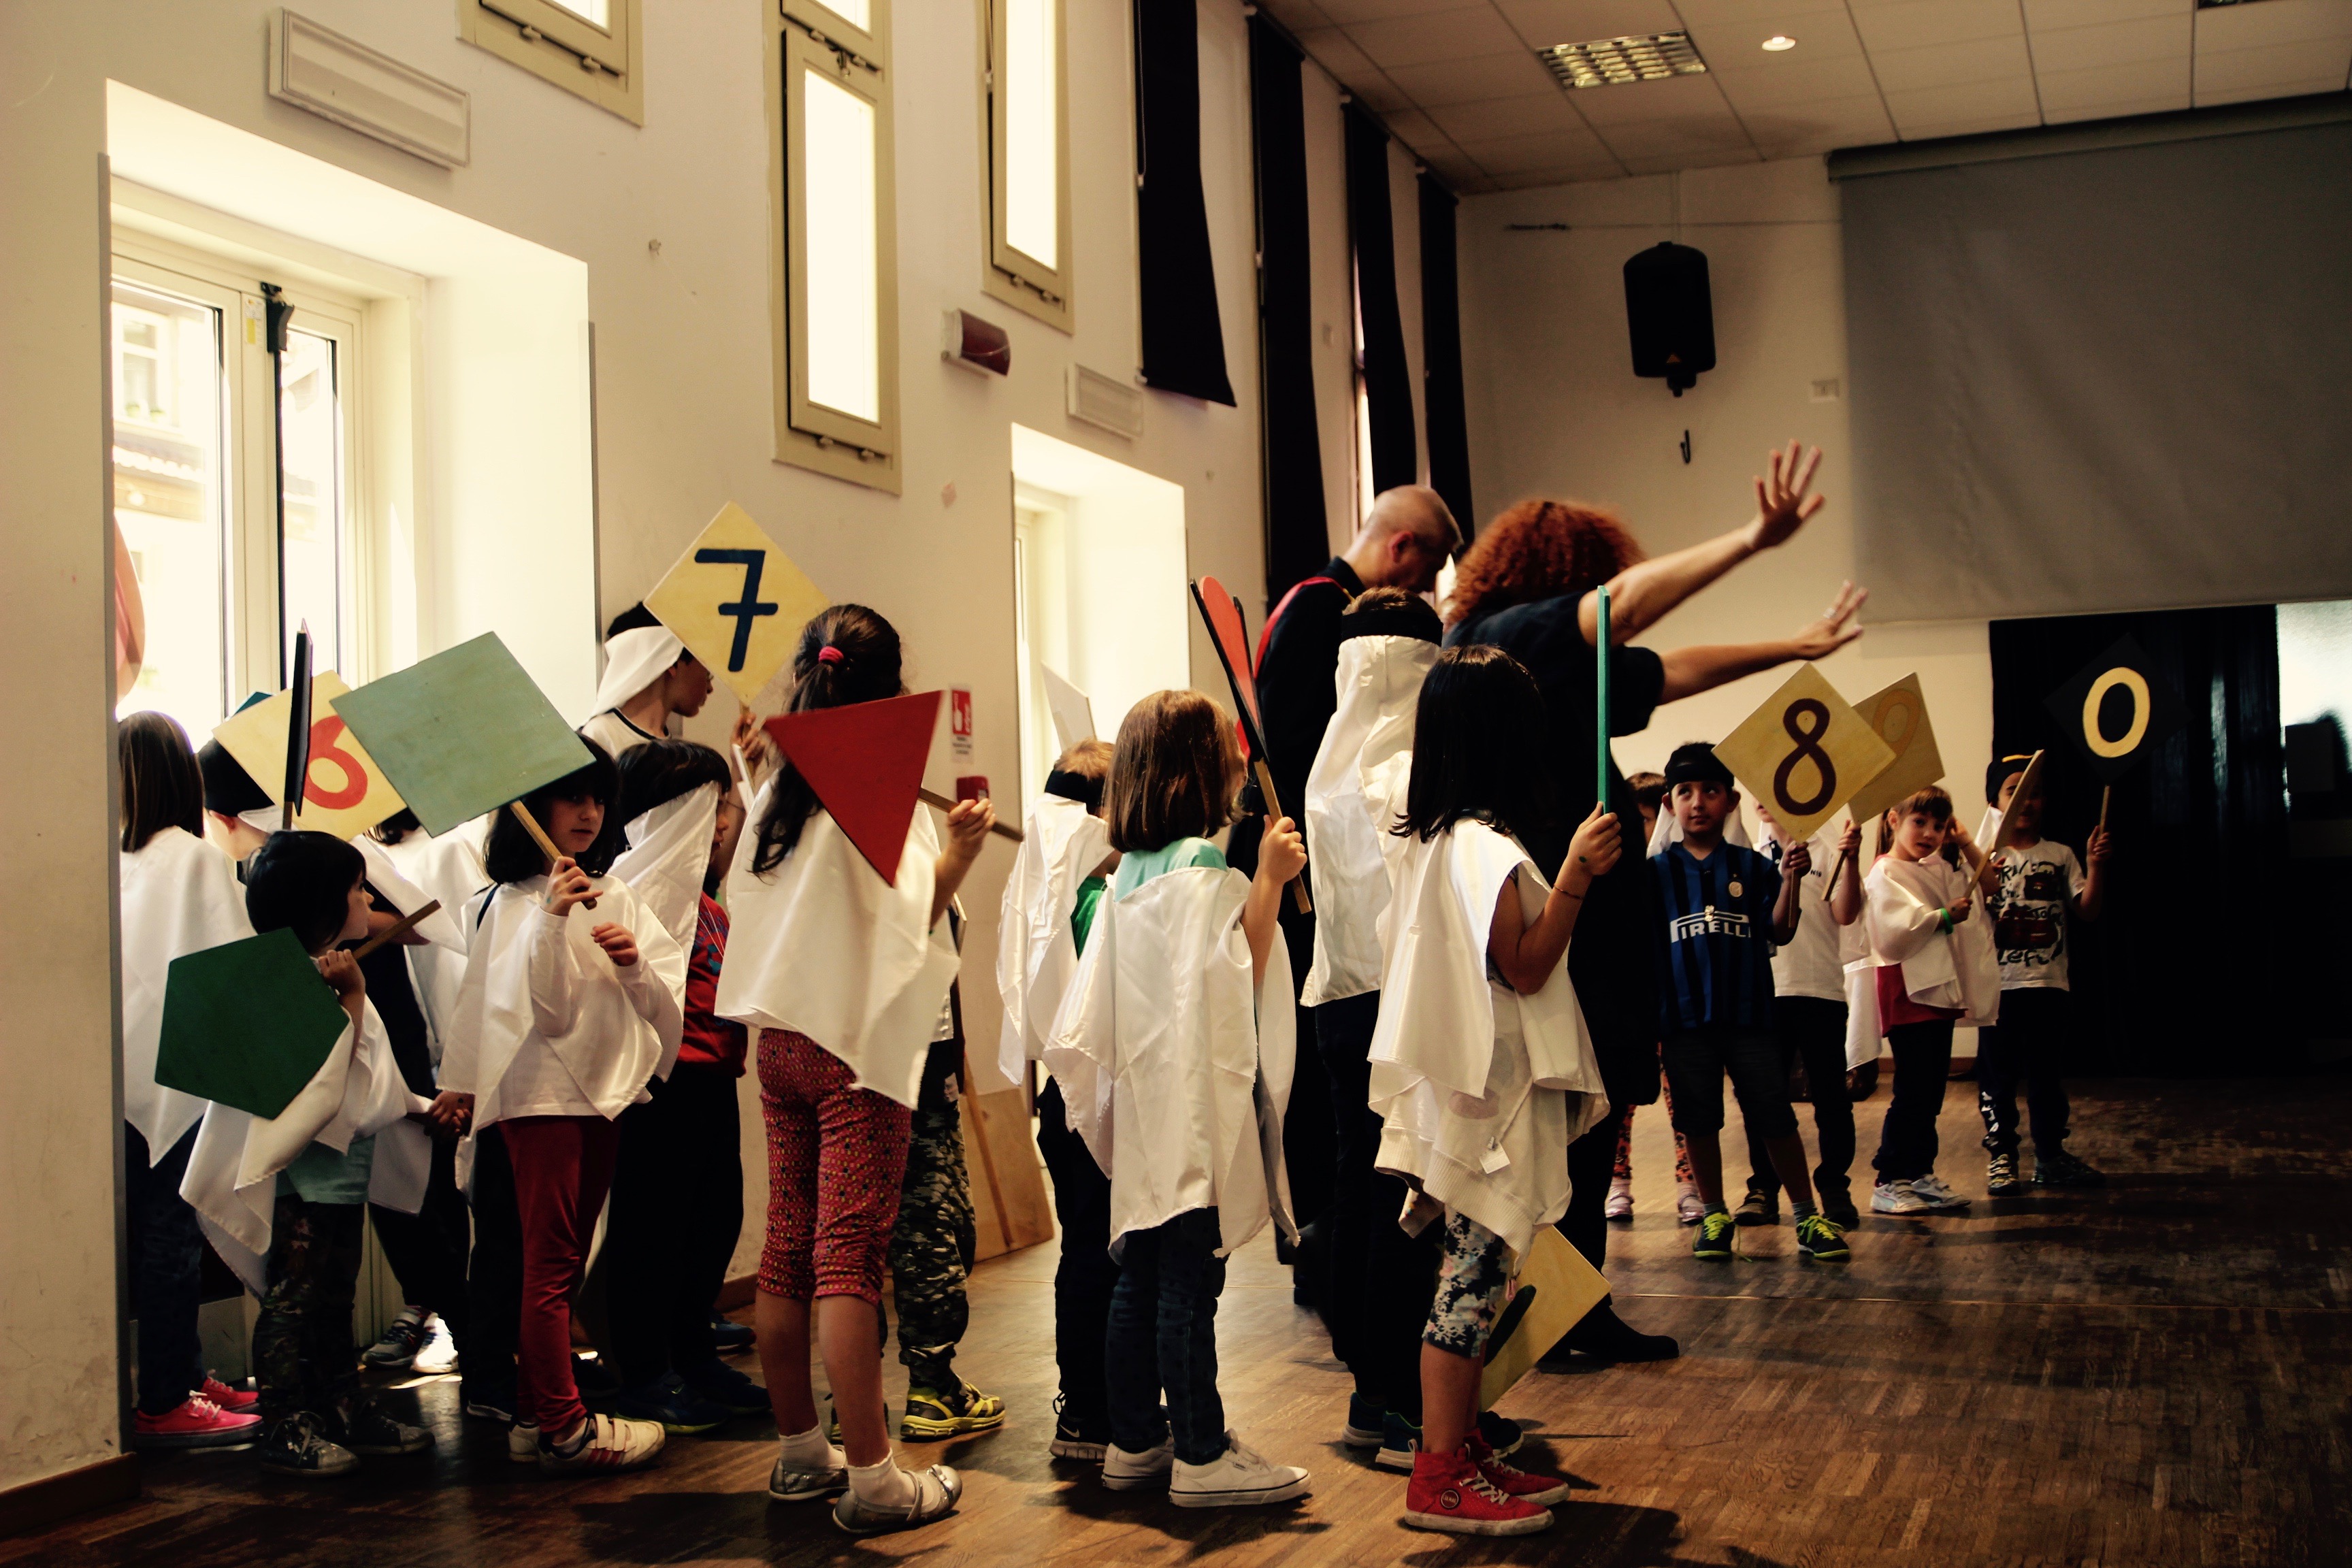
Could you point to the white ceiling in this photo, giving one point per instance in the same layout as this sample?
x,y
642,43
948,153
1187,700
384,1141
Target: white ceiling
x,y
1459,80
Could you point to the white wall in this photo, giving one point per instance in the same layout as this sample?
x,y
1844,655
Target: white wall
x,y
1556,410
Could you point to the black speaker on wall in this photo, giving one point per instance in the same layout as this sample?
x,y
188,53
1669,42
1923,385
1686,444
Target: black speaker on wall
x,y
1670,313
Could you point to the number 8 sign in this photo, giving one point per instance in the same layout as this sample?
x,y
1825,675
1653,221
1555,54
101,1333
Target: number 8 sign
x,y
737,602
1804,753
345,793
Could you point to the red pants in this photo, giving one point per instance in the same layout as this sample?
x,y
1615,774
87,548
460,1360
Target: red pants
x,y
562,1169
836,1155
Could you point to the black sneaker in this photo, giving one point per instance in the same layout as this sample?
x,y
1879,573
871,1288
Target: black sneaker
x,y
2062,1170
1838,1207
486,1400
366,1428
1075,1439
400,1343
730,1337
2001,1180
1757,1208
1821,1239
293,1446
1713,1242
1502,1433
933,1416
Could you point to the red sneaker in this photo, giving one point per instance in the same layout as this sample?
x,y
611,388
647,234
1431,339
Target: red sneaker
x,y
1511,1480
194,1423
236,1400
1450,1492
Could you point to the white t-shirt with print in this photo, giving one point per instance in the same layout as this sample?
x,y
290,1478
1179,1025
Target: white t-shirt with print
x,y
2030,928
1811,963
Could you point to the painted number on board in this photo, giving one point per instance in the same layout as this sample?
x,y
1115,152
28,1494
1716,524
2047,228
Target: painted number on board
x,y
355,783
2123,678
1808,748
747,609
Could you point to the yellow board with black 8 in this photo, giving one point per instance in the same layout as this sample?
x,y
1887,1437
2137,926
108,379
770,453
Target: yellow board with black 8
x,y
1804,753
737,602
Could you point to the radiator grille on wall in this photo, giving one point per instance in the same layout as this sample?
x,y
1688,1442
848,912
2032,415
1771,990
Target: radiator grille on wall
x,y
1101,401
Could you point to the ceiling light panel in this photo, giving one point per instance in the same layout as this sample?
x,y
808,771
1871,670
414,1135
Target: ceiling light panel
x,y
1614,62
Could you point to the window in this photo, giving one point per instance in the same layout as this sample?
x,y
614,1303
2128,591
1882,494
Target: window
x,y
837,338
588,46
233,477
1028,158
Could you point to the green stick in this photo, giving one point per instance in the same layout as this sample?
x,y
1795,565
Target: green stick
x,y
1600,744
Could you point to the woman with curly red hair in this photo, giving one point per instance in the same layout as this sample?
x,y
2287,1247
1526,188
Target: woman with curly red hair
x,y
1527,586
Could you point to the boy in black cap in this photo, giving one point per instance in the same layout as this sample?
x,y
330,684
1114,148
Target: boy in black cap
x,y
229,794
1723,907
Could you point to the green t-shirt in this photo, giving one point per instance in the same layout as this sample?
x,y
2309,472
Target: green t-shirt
x,y
1139,866
1082,916
320,1175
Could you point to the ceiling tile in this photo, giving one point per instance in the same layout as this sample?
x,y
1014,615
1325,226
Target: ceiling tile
x,y
1516,75
1496,116
1298,16
1699,14
1952,65
1980,105
1798,83
2271,21
1543,23
1919,24
2070,92
1461,34
2042,14
1518,155
2212,97
2067,114
1337,53
1739,46
1414,128
1348,12
2112,44
1790,132
1693,98
1673,138
1674,163
1929,131
2281,70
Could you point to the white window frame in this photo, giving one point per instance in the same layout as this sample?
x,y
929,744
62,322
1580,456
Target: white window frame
x,y
1010,274
813,37
603,65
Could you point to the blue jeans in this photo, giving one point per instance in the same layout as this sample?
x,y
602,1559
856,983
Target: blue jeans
x,y
1162,1339
167,1255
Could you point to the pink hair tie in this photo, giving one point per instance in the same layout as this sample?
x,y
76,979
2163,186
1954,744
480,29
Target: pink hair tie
x,y
829,654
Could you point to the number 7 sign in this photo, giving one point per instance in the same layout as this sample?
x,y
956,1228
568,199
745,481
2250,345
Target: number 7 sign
x,y
737,602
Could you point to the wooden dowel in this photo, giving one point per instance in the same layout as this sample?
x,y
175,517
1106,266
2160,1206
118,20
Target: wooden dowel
x,y
1837,868
2107,794
1273,814
933,797
539,835
395,931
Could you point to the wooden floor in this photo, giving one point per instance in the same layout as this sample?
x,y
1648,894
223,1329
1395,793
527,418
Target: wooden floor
x,y
2153,1373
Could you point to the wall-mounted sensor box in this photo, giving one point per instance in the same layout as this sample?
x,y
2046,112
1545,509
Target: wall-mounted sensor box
x,y
980,346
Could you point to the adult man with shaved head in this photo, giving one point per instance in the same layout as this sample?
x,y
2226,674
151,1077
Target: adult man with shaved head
x,y
1331,1134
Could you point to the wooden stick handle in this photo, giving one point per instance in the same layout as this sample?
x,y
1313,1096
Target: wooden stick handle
x,y
933,797
539,835
1837,868
395,931
2107,794
1273,812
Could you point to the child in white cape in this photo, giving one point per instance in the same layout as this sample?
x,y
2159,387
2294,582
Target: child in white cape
x,y
1481,1067
1174,1049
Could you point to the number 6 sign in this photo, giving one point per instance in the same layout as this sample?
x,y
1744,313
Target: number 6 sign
x,y
1804,753
737,602
345,793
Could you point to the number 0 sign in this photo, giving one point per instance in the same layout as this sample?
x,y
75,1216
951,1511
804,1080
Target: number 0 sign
x,y
2116,710
737,602
1804,753
345,793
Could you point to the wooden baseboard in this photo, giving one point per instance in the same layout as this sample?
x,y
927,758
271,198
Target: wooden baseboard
x,y
37,1505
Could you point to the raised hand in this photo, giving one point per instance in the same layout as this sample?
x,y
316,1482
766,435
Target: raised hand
x,y
1819,639
619,945
2098,848
1785,499
1597,844
1281,852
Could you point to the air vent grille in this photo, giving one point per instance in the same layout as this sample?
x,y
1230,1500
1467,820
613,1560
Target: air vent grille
x,y
1610,62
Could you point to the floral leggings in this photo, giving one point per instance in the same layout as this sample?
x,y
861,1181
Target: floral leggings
x,y
1471,1279
1624,1171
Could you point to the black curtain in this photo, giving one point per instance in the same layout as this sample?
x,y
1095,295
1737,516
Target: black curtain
x,y
1183,340
1441,354
2191,969
1296,541
1388,387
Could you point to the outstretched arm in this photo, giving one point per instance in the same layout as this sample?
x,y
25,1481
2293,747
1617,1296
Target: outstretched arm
x,y
1691,670
1528,956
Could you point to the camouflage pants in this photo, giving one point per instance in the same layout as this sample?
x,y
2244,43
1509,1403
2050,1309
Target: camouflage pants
x,y
302,1353
1470,1284
932,1250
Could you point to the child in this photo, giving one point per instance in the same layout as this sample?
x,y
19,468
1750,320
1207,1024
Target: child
x,y
2042,885
1050,899
1809,1016
229,794
1174,1048
1648,793
1721,904
648,677
1932,967
179,895
843,974
316,1419
678,1181
1481,1069
1382,1279
571,1002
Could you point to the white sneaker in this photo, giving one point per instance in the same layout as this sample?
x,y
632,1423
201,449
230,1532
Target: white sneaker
x,y
1940,1196
1238,1478
1124,1471
1689,1207
438,1353
1620,1205
613,1443
522,1443
1897,1198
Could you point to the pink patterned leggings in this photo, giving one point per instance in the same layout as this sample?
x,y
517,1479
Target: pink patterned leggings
x,y
1625,1142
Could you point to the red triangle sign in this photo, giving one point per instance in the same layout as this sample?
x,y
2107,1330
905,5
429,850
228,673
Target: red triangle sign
x,y
866,764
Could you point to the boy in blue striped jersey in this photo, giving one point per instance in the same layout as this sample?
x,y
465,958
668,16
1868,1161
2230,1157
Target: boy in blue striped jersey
x,y
1722,909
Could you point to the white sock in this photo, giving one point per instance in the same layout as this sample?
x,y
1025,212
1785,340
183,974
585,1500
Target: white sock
x,y
884,1485
809,1450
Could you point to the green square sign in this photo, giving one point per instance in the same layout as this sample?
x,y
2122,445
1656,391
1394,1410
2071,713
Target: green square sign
x,y
247,1024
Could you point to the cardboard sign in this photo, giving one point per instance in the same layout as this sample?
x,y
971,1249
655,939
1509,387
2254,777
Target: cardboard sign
x,y
2116,710
462,733
1222,615
1556,1287
865,761
1804,753
2004,830
247,1024
1074,715
345,794
1898,713
737,602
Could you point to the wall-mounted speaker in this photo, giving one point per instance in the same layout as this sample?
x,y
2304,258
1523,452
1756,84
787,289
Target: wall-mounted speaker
x,y
1671,314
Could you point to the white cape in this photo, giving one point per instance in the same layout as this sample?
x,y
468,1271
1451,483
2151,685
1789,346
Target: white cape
x,y
1174,1069
668,852
180,895
1481,1090
449,869
823,946
533,975
1353,793
1036,954
1957,969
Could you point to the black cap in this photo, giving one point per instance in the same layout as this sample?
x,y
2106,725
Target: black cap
x,y
1694,762
228,788
1997,774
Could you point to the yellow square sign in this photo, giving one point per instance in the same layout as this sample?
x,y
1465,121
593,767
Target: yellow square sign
x,y
1804,753
345,793
1899,715
737,602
